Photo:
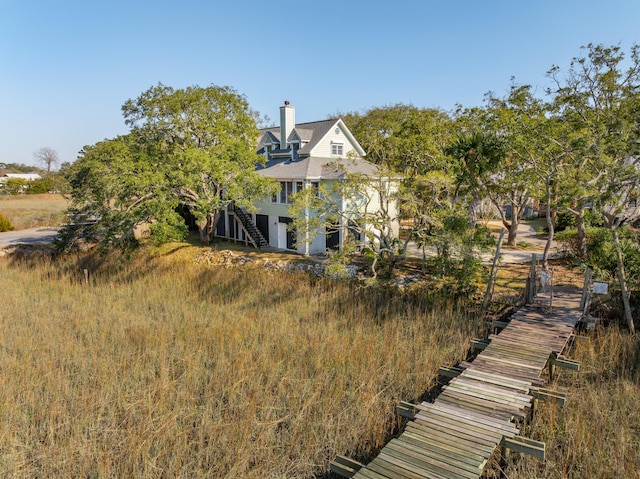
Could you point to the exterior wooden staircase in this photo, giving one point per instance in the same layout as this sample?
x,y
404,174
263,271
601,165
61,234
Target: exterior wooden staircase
x,y
253,233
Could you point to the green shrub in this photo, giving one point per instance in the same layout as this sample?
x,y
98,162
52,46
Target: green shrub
x,y
601,253
14,186
5,224
566,220
37,187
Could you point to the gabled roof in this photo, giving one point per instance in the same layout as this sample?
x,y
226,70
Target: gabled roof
x,y
310,134
316,168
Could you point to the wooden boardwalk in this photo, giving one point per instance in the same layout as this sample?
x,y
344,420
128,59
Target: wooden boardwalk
x,y
455,436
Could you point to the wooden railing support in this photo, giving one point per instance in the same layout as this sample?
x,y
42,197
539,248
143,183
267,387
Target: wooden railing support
x,y
406,410
449,372
525,446
479,343
345,467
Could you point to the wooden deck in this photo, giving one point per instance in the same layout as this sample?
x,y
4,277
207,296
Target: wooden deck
x,y
455,436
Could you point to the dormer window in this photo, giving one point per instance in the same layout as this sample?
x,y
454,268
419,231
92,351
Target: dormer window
x,y
337,149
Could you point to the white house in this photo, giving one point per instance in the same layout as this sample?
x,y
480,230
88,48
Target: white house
x,y
298,156
20,176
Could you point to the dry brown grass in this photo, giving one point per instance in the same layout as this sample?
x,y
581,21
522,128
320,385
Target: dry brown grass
x,y
597,433
164,368
33,211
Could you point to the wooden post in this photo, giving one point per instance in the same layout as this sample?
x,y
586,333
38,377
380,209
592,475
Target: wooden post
x,y
532,280
551,292
585,288
86,276
552,366
492,276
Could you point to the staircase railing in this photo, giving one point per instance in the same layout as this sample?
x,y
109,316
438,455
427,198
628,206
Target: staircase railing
x,y
251,230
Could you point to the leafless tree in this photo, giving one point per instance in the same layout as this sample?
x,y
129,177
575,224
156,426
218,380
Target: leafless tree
x,y
47,157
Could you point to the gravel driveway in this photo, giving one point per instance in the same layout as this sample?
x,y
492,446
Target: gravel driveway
x,y
30,236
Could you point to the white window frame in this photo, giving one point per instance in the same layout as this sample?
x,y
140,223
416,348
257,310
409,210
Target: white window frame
x,y
337,148
288,187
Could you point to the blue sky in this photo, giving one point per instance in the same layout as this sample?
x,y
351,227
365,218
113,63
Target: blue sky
x,y
66,67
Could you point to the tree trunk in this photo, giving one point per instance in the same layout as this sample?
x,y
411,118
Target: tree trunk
x,y
207,227
474,208
582,234
550,226
623,281
513,230
202,229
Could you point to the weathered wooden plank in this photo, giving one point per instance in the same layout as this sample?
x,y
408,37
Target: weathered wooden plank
x,y
475,399
497,388
475,406
345,466
449,372
460,420
418,466
565,363
366,473
498,401
514,349
406,410
512,360
495,324
431,453
525,446
495,377
480,344
428,463
401,469
504,337
388,469
548,396
459,430
458,452
450,440
492,393
458,433
464,415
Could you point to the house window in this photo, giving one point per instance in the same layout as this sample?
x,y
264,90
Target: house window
x,y
316,186
284,197
337,149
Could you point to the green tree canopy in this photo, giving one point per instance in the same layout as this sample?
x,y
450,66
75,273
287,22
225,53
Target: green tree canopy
x,y
193,147
402,138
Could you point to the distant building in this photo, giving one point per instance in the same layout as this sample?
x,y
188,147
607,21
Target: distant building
x,y
20,176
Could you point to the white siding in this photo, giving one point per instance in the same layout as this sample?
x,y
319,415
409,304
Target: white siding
x,y
273,231
323,148
319,243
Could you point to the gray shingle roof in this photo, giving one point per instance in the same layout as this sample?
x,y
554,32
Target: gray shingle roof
x,y
310,133
316,168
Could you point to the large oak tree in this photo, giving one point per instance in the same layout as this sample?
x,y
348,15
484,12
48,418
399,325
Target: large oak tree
x,y
192,148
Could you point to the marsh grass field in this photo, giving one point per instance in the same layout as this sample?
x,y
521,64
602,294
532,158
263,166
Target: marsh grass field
x,y
34,211
164,367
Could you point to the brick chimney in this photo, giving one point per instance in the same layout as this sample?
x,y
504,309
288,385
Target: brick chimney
x,y
287,123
